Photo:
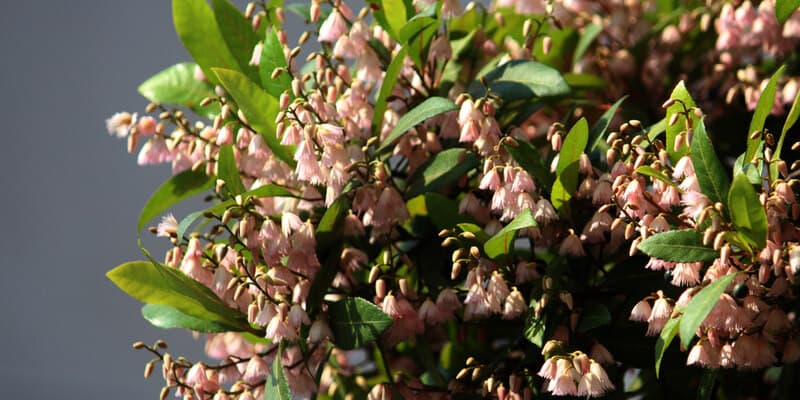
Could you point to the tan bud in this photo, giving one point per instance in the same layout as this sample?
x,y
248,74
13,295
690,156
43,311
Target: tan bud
x,y
673,119
164,393
475,252
668,103
467,235
139,345
380,288
463,373
373,274
148,369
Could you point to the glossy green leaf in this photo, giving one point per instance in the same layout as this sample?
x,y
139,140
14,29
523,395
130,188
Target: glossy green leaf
x,y
710,173
707,382
276,386
166,317
683,99
198,30
678,246
229,171
174,190
258,107
429,108
699,307
442,169
597,135
529,158
387,85
763,109
154,283
356,322
272,57
665,339
238,33
177,85
593,316
590,32
522,80
502,242
647,170
568,164
746,211
785,8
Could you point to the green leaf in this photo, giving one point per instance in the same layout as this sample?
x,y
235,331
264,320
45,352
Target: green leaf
x,y
748,169
153,283
327,232
174,190
665,339
746,211
683,98
530,160
198,30
710,173
417,35
166,317
522,80
387,85
429,108
707,382
678,246
568,164
597,136
356,322
794,113
594,315
272,57
584,81
700,305
443,211
535,327
186,222
177,85
590,32
258,107
329,247
238,34
502,242
229,171
647,170
785,8
763,109
441,170
392,14
276,387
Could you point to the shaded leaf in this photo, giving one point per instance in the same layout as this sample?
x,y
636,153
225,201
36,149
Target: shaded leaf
x,y
272,57
174,190
429,108
238,33
707,382
522,80
502,241
710,173
441,170
530,160
356,322
590,32
746,211
678,246
699,307
387,85
597,135
785,8
166,317
534,328
229,171
568,164
443,211
665,339
791,119
584,81
594,315
763,108
198,30
328,234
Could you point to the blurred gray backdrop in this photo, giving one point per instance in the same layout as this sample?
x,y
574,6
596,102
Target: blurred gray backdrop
x,y
71,196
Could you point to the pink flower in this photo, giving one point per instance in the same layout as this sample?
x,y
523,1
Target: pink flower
x,y
333,27
120,124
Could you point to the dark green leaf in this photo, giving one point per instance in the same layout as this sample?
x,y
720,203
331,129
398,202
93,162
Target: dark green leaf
x,y
186,222
238,34
590,32
259,107
665,339
568,164
683,99
594,315
177,85
429,108
272,57
534,328
327,231
200,34
522,80
276,387
763,109
153,283
176,189
166,317
746,211
710,173
328,249
647,170
443,211
597,135
356,322
441,170
530,160
229,171
794,113
707,382
700,305
785,8
678,246
502,242
387,85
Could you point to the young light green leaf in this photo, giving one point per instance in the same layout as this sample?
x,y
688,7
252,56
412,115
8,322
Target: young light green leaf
x,y
785,8
177,85
429,108
590,32
710,173
396,14
682,99
356,322
200,34
174,190
678,246
228,171
441,170
259,107
763,109
699,307
594,315
238,34
154,283
166,317
387,85
530,160
665,339
748,169
522,80
567,167
277,387
746,211
501,243
597,135
272,57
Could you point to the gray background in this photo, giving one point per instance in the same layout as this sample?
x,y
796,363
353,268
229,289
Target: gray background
x,y
72,194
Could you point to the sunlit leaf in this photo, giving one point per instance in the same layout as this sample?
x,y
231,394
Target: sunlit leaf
x,y
238,34
763,108
166,317
678,246
710,173
746,211
429,108
229,171
198,30
568,164
174,190
502,242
